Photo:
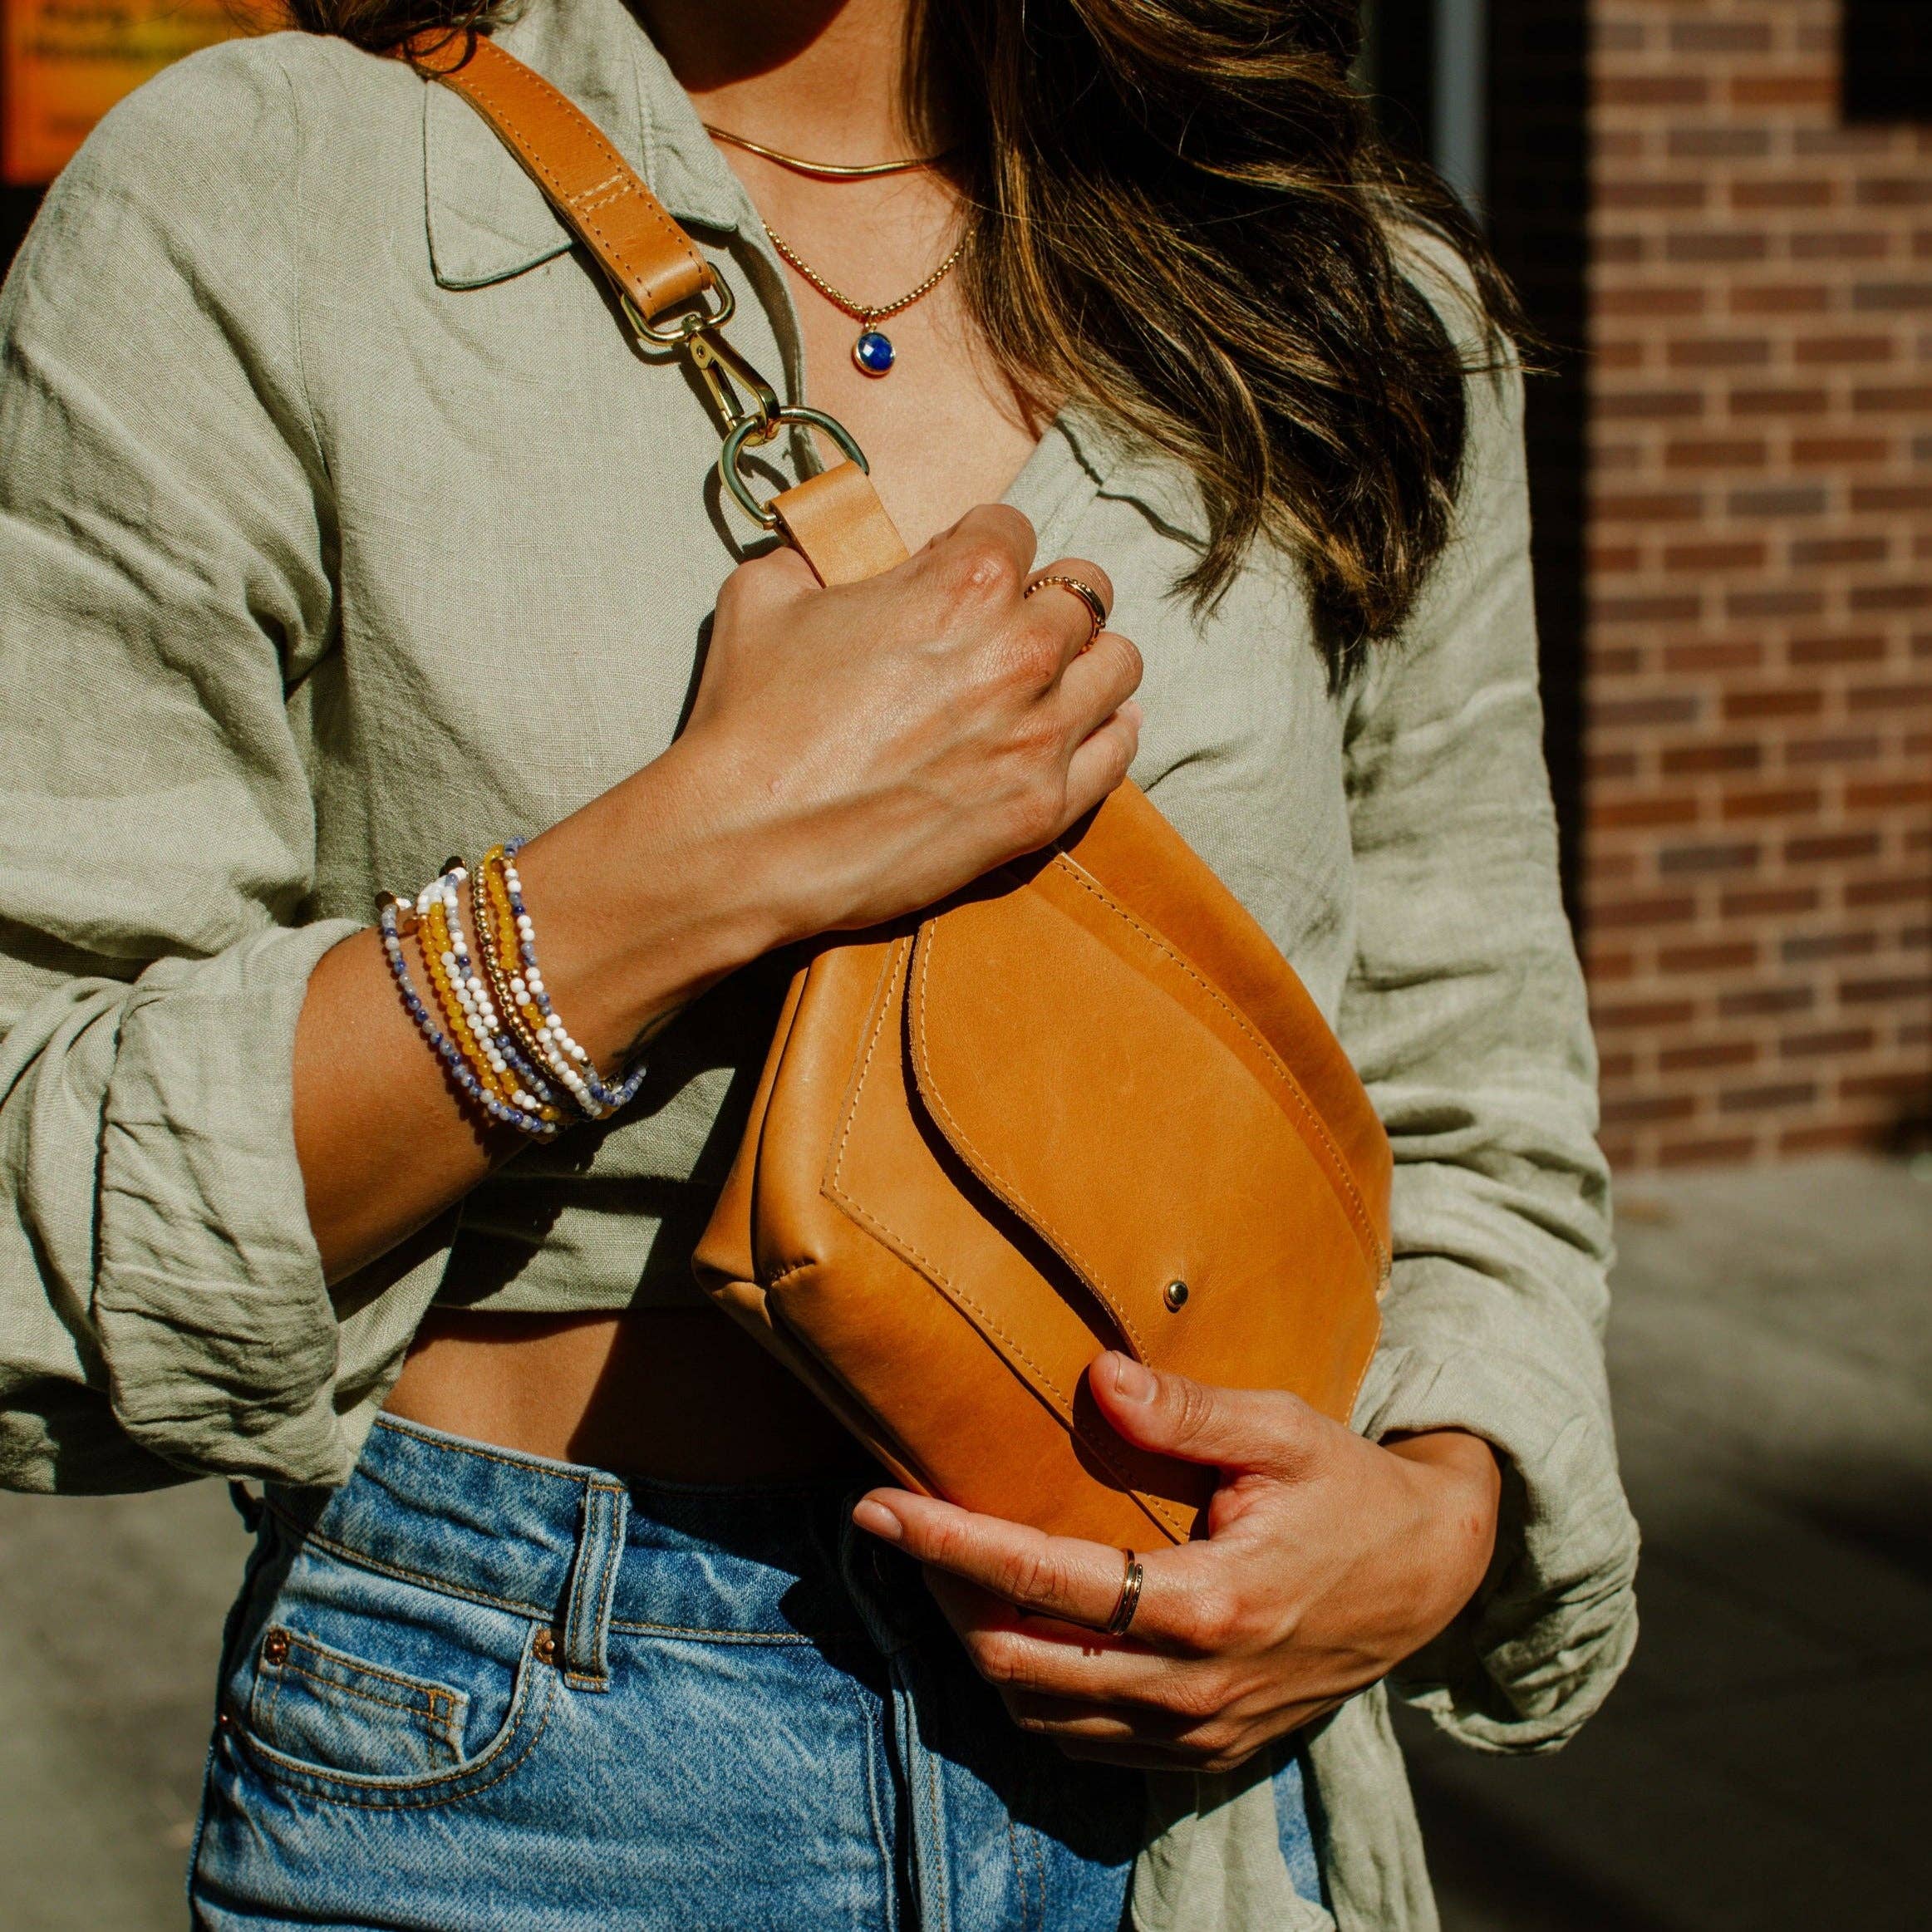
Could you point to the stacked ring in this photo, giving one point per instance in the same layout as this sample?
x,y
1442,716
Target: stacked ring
x,y
1096,604
1129,1601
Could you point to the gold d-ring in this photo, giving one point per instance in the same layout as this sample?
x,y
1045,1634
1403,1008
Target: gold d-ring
x,y
1130,1580
1095,603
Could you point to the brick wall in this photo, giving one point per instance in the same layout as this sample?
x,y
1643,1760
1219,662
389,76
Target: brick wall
x,y
1757,885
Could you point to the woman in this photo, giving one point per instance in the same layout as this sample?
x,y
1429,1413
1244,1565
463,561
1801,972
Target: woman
x,y
341,528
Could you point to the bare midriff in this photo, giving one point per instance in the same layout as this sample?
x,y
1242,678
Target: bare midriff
x,y
678,1394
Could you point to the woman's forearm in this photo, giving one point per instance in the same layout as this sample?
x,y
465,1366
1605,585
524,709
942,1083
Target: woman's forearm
x,y
642,900
852,753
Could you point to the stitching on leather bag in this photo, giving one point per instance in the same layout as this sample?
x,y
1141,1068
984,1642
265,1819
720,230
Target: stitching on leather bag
x,y
1153,1505
1018,1199
595,134
1358,1208
931,1268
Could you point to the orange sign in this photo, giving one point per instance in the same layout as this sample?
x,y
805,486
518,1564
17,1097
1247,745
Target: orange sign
x,y
63,63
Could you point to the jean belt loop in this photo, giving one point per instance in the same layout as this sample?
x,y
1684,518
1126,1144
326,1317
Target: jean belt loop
x,y
593,1582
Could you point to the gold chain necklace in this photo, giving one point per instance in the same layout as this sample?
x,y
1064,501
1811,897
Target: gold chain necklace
x,y
872,354
821,170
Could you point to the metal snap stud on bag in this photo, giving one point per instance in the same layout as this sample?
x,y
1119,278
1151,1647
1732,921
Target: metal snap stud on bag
x,y
1175,1294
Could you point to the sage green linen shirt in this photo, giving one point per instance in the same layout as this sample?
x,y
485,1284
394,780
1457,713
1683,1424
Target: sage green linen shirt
x,y
341,528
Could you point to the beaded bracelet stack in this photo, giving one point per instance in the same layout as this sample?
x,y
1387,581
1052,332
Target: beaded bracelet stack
x,y
492,1024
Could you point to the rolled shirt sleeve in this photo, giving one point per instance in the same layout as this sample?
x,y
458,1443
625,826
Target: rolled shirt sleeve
x,y
1465,1013
164,586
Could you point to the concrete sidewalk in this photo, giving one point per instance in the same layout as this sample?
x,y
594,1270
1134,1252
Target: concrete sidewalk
x,y
1764,1765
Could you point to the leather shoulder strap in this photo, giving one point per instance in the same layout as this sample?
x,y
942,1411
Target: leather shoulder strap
x,y
834,520
599,196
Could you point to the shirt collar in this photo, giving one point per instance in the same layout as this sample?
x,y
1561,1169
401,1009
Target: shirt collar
x,y
488,220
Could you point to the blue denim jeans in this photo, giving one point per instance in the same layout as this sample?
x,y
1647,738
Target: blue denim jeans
x,y
477,1689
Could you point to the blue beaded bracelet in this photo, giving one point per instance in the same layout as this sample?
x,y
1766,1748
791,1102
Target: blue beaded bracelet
x,y
445,1048
573,1066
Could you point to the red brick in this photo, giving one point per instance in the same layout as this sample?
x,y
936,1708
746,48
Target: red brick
x,y
1650,90
1735,555
1867,648
1782,801
1831,847
1728,1053
1771,1094
1817,1140
1719,352
1832,1044
1779,402
1750,194
1694,659
1892,597
1720,1150
1908,889
1839,350
1682,759
1818,552
1796,90
1757,902
1780,701
1647,404
1893,792
1719,955
1861,992
1900,400
1672,708
1779,298
1673,195
1761,1000
1622,1110
1653,507
1891,496
1644,1014
1814,946
1674,860
1716,453
1663,909
1720,37
1676,808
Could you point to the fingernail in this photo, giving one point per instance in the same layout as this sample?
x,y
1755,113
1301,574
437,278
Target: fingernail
x,y
877,1520
1131,1380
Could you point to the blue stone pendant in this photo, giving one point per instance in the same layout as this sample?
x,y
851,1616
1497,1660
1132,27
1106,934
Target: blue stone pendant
x,y
873,352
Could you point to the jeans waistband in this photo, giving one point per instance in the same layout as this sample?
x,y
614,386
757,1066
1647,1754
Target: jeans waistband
x,y
581,1549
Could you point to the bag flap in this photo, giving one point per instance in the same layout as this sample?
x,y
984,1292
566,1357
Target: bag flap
x,y
1117,1101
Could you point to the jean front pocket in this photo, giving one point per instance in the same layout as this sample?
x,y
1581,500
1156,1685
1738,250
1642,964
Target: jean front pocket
x,y
325,1707
374,1691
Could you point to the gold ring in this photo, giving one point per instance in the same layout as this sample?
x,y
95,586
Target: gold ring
x,y
1116,1626
1096,604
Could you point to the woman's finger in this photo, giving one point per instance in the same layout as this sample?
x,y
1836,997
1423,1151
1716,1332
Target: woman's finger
x,y
1097,683
1016,1651
1055,1576
1080,585
1102,760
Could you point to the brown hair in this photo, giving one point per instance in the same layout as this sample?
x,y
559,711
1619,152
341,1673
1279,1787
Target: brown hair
x,y
1181,211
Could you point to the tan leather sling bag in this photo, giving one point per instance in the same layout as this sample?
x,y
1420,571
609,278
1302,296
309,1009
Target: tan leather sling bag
x,y
1083,1104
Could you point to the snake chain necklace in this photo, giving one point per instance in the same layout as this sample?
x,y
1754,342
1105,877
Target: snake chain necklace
x,y
873,352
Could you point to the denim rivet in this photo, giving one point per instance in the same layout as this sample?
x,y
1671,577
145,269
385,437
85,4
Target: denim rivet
x,y
545,1647
275,1647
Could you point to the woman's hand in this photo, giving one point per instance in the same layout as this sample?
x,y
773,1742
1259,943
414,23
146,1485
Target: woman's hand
x,y
851,755
880,745
1329,1559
